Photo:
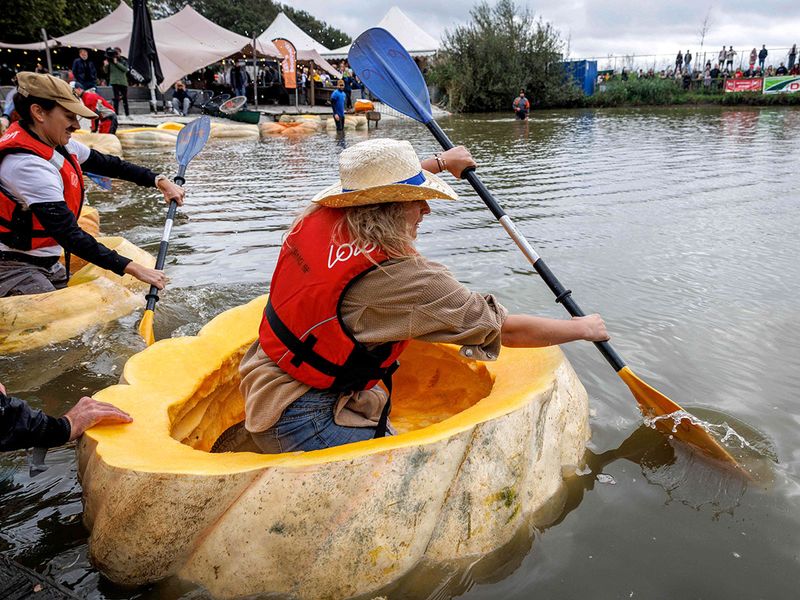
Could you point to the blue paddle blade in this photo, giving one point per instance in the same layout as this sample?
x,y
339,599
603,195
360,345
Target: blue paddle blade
x,y
100,181
191,139
389,72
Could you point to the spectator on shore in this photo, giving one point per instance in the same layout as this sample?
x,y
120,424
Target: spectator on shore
x,y
181,102
721,58
753,58
762,56
521,106
738,74
116,67
24,427
782,70
687,61
84,71
240,79
304,85
107,118
707,77
795,70
348,87
687,80
770,71
624,75
679,61
730,55
792,56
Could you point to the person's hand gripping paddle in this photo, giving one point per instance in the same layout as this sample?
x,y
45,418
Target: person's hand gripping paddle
x,y
389,72
191,140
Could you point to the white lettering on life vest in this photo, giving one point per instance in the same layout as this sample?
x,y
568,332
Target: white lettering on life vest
x,y
9,136
346,252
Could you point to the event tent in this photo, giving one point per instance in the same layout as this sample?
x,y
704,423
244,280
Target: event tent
x,y
414,39
284,27
308,48
186,41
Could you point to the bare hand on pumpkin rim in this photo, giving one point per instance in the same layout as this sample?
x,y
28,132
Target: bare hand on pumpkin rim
x,y
89,412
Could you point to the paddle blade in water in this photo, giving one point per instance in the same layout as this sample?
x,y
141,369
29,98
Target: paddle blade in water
x,y
191,139
389,72
99,180
146,328
655,404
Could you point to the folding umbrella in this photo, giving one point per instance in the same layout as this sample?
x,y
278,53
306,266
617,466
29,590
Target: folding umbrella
x,y
143,56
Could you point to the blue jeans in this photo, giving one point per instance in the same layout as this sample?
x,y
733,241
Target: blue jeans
x,y
307,424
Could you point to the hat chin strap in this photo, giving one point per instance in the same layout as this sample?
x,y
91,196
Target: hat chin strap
x,y
417,179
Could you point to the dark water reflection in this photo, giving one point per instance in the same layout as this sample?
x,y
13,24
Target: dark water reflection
x,y
679,226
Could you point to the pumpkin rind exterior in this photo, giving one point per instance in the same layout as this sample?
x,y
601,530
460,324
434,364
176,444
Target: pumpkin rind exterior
x,y
332,523
93,296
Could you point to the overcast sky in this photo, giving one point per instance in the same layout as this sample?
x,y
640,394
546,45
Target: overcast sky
x,y
602,27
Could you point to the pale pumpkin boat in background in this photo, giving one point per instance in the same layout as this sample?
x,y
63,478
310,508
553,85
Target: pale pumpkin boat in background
x,y
166,134
481,448
94,296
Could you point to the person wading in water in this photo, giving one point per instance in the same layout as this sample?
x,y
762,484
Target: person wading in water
x,y
521,106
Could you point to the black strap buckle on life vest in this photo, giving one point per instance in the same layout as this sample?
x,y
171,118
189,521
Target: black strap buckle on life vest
x,y
362,366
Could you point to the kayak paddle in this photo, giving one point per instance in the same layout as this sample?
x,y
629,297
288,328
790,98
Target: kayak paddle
x,y
191,140
389,72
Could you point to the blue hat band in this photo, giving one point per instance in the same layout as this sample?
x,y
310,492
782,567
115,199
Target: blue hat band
x,y
417,179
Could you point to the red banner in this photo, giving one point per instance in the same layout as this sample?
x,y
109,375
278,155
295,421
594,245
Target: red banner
x,y
744,85
289,64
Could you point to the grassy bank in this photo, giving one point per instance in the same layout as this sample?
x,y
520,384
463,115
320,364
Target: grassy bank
x,y
664,92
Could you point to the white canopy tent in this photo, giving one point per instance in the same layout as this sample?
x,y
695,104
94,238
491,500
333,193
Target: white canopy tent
x,y
414,39
308,49
186,41
284,27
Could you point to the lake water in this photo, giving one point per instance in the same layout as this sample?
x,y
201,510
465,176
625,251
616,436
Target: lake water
x,y
680,226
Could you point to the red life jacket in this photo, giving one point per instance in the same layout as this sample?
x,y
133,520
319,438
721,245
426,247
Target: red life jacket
x,y
19,229
302,329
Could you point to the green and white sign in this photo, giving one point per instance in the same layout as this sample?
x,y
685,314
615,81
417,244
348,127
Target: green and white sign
x,y
782,85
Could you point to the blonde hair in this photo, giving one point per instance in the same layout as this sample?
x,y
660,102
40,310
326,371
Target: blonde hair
x,y
383,225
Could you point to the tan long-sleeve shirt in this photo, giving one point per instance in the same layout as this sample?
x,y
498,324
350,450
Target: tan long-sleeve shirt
x,y
412,298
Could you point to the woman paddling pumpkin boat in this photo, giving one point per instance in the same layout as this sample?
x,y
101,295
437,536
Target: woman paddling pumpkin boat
x,y
350,290
41,191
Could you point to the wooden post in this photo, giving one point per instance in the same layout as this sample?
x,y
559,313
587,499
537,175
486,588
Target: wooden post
x,y
47,51
311,85
255,74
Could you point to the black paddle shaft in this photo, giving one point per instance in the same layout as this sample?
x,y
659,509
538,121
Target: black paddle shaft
x,y
152,295
563,295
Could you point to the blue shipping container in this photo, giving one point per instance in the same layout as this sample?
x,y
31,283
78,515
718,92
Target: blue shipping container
x,y
583,73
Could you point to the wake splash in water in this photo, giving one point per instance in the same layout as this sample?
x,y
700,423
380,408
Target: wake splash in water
x,y
697,481
726,434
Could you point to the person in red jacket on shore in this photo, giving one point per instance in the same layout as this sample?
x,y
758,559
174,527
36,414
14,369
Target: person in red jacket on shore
x,y
107,117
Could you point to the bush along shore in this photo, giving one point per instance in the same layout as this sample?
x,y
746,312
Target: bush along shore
x,y
665,92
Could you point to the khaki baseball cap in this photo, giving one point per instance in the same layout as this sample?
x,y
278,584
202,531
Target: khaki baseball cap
x,y
52,88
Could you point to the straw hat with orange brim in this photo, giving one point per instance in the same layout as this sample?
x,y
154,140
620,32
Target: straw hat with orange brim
x,y
382,170
47,87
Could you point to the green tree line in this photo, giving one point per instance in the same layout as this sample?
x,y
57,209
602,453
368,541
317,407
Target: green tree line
x,y
22,20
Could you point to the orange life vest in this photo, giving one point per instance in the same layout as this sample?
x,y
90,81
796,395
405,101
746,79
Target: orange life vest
x,y
302,329
19,229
